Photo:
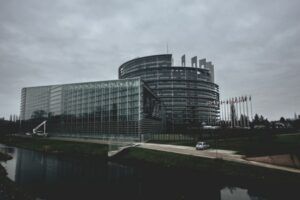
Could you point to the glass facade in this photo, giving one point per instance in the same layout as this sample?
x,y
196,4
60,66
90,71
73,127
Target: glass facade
x,y
93,109
186,92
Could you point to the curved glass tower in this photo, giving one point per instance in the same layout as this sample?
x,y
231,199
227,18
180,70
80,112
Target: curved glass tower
x,y
189,94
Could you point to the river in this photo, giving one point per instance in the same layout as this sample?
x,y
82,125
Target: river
x,y
61,177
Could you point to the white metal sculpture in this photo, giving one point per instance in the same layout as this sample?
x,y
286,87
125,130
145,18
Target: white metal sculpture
x,y
35,130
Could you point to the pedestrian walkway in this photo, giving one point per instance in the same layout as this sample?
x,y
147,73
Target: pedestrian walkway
x,y
212,154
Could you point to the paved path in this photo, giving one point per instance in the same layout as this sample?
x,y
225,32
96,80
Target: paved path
x,y
212,153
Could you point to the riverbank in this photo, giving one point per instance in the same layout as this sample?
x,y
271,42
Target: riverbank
x,y
8,189
152,157
45,145
4,157
209,167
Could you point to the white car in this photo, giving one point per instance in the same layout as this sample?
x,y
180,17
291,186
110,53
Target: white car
x,y
202,146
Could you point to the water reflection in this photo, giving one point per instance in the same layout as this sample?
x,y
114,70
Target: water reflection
x,y
60,177
235,193
10,165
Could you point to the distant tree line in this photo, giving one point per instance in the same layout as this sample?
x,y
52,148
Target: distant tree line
x,y
14,125
260,120
284,123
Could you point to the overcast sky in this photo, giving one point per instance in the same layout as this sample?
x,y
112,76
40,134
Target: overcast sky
x,y
254,44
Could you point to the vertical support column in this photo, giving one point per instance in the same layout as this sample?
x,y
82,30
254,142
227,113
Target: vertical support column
x,y
95,108
45,127
157,76
186,86
139,118
76,111
73,116
172,79
118,108
109,107
101,111
127,105
82,103
87,129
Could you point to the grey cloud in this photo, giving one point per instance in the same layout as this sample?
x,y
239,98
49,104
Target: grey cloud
x,y
254,45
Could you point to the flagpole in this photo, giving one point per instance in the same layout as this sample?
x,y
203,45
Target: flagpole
x,y
231,112
247,112
250,99
221,113
233,109
228,113
243,106
225,113
228,109
245,118
239,105
237,111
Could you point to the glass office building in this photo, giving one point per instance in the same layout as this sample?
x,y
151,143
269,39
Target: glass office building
x,y
189,93
94,109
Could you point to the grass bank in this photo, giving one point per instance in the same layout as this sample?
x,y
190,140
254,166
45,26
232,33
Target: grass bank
x,y
258,145
217,168
262,145
57,146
